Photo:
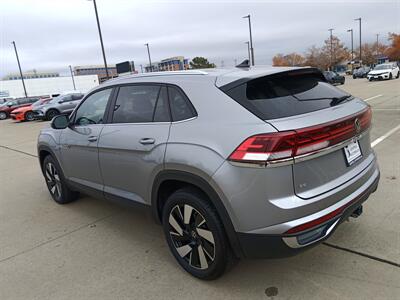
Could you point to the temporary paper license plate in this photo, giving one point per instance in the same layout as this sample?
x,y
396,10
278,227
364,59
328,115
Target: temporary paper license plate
x,y
352,152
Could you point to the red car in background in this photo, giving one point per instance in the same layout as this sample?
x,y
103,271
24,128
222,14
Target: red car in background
x,y
25,113
9,106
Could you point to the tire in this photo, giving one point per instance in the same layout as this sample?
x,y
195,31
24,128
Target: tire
x,y
51,114
354,77
56,183
3,115
398,74
199,243
390,76
29,116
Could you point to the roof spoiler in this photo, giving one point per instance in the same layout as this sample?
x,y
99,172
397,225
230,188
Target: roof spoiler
x,y
244,64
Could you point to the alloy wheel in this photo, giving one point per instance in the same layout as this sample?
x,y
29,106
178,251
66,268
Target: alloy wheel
x,y
53,180
3,116
191,236
29,116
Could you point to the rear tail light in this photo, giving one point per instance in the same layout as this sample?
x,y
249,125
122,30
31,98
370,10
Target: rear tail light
x,y
281,146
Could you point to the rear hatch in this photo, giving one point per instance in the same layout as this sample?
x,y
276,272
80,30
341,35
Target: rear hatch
x,y
328,128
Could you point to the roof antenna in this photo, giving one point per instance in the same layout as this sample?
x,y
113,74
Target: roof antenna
x,y
244,64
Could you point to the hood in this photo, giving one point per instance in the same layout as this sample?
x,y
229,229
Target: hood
x,y
22,109
47,104
373,72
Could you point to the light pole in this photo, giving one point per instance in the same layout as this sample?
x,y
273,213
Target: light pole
x,y
248,51
330,30
352,50
141,68
148,52
19,66
101,38
359,19
377,46
251,40
72,77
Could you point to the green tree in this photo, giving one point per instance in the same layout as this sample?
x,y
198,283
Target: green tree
x,y
201,63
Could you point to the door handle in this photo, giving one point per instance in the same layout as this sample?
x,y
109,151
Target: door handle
x,y
147,141
92,138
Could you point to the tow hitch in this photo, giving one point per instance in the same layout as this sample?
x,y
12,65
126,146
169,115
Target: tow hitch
x,y
358,211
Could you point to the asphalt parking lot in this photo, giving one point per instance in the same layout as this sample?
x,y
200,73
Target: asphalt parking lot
x,y
92,249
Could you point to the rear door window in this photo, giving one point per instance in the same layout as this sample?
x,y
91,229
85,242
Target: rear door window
x,y
77,97
141,104
285,95
181,108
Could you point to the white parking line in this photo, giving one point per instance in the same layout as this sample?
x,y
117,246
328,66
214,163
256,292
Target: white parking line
x,y
370,98
385,136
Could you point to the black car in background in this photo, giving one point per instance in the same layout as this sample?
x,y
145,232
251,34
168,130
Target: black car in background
x,y
361,72
333,77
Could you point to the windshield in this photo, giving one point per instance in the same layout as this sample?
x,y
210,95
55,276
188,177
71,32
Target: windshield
x,y
383,67
55,99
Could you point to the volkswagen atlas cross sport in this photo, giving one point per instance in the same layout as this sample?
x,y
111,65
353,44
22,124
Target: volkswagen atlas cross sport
x,y
249,162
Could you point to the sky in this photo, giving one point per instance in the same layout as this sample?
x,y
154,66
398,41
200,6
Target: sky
x,y
52,34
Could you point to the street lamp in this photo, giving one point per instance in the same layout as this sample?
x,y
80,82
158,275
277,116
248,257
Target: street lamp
x,y
251,40
248,51
352,50
330,30
72,77
148,52
101,38
19,66
359,19
377,46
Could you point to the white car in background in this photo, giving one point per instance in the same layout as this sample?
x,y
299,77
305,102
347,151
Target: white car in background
x,y
384,71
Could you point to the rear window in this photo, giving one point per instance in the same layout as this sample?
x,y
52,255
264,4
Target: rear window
x,y
285,95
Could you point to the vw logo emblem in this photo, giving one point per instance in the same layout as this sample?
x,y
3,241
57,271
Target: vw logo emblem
x,y
357,125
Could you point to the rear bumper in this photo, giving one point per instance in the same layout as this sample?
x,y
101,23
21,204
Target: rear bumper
x,y
284,245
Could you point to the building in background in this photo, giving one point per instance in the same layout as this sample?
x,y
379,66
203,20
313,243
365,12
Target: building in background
x,y
98,70
175,63
47,86
154,67
31,75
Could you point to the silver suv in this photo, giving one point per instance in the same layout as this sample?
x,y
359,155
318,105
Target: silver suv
x,y
254,162
62,104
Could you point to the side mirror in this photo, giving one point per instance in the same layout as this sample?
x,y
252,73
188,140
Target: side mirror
x,y
9,104
59,102
60,122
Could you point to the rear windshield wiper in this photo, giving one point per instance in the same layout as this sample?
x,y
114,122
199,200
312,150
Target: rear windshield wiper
x,y
337,100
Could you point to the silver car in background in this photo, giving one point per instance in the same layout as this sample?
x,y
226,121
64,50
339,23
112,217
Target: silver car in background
x,y
248,162
62,104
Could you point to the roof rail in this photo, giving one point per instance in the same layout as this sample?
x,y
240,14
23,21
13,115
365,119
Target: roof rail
x,y
162,73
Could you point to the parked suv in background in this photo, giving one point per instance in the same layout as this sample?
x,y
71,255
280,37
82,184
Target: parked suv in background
x,y
333,77
384,71
361,72
9,106
254,162
62,104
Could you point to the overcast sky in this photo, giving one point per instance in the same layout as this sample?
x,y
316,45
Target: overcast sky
x,y
52,34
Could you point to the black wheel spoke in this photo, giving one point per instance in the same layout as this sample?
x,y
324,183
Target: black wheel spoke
x,y
191,236
53,180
